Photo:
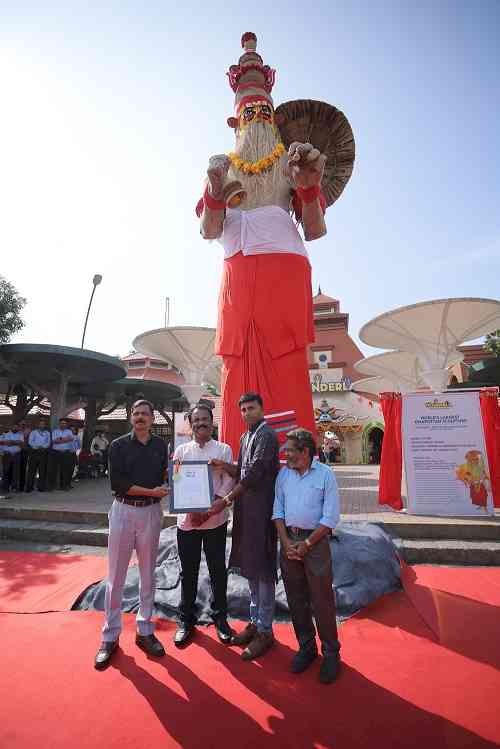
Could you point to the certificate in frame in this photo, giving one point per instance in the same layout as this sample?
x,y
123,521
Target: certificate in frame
x,y
191,486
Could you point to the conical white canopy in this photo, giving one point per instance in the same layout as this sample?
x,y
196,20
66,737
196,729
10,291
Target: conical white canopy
x,y
400,368
433,330
189,349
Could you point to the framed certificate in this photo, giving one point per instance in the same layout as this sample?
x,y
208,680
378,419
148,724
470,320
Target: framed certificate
x,y
191,486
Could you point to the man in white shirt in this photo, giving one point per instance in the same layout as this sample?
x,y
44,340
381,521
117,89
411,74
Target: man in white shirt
x,y
12,443
99,448
209,530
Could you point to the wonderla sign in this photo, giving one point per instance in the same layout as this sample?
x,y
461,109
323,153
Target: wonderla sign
x,y
318,386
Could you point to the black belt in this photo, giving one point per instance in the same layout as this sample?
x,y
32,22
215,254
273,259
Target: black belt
x,y
138,501
299,531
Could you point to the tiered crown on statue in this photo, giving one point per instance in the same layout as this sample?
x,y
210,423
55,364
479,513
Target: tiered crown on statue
x,y
250,76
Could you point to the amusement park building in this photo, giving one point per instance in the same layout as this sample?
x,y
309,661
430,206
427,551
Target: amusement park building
x,y
355,420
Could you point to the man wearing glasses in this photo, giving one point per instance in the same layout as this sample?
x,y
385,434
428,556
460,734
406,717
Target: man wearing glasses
x,y
138,468
306,510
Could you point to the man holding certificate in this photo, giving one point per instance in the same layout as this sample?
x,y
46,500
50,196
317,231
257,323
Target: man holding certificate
x,y
254,538
197,529
138,467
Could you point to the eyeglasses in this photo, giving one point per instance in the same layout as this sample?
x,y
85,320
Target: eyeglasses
x,y
263,111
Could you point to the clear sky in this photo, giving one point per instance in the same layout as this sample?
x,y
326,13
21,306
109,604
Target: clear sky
x,y
109,116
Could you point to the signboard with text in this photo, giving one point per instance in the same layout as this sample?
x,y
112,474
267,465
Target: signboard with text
x,y
445,456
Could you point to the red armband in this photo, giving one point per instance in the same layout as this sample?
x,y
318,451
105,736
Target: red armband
x,y
309,194
214,205
209,202
298,200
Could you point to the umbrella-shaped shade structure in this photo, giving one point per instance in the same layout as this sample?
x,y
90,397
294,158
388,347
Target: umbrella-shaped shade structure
x,y
59,372
433,330
189,349
377,385
400,368
161,393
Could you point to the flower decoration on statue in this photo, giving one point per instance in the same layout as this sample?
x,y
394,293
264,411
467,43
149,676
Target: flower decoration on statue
x,y
256,167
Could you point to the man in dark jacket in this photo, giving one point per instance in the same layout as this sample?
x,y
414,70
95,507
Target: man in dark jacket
x,y
254,538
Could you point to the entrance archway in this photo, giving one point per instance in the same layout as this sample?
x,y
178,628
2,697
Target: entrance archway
x,y
373,435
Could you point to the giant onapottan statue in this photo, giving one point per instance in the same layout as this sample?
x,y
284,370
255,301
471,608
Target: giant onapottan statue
x,y
287,167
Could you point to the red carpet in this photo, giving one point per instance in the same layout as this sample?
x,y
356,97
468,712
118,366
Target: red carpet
x,y
33,582
399,688
460,606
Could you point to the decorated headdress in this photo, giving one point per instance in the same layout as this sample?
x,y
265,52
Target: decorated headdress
x,y
251,80
302,120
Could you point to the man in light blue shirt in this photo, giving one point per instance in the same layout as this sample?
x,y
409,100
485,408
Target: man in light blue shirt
x,y
12,443
62,456
39,444
306,510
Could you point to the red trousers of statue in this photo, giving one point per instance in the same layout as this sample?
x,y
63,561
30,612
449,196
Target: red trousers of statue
x,y
478,493
265,324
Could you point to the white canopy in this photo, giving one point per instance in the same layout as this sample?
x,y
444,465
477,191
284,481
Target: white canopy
x,y
377,385
189,349
400,368
433,330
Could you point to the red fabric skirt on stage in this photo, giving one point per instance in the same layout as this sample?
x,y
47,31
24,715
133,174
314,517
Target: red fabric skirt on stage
x,y
265,324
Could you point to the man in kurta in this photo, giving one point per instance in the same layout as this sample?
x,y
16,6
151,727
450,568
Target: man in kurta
x,y
254,537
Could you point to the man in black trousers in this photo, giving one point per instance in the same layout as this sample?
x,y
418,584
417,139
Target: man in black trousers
x,y
197,529
39,444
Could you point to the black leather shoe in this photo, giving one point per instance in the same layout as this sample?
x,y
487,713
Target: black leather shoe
x,y
103,656
303,660
183,634
329,669
150,644
224,631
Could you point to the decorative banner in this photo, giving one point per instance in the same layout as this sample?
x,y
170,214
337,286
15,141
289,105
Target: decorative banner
x,y
445,456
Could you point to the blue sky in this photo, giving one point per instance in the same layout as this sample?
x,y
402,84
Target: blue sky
x,y
110,116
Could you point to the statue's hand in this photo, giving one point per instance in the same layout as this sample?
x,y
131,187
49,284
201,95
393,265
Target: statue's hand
x,y
218,186
218,167
306,165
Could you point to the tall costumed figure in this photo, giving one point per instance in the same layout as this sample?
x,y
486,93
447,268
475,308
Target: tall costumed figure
x,y
289,164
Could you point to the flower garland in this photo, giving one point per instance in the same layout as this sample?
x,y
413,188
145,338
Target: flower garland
x,y
256,167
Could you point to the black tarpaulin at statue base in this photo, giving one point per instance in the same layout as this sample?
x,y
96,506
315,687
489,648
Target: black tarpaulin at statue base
x,y
365,567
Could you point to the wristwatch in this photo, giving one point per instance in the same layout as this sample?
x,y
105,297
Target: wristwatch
x,y
308,543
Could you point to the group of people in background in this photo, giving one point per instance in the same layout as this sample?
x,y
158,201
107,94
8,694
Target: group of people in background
x,y
298,503
37,455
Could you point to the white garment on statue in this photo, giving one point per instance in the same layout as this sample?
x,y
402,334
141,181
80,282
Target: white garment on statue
x,y
260,231
223,483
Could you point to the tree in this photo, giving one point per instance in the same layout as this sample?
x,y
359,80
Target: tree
x,y
492,342
11,304
26,399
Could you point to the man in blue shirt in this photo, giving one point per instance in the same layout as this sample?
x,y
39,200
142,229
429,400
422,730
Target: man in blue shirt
x,y
12,443
39,444
306,510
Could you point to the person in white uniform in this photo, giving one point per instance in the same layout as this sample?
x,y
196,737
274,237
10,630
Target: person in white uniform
x,y
138,470
209,530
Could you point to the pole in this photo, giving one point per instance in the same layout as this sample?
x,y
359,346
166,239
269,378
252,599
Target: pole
x,y
96,281
167,311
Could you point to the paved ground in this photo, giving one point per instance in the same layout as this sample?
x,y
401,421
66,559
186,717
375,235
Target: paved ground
x,y
358,497
358,491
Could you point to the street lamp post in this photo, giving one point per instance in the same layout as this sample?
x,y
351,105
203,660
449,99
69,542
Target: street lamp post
x,y
96,281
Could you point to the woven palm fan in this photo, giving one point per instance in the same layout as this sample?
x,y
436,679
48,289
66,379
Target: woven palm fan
x,y
328,129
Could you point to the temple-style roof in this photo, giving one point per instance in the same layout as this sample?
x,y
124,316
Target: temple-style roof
x,y
321,298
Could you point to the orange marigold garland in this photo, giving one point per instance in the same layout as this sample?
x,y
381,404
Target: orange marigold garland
x,y
256,167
